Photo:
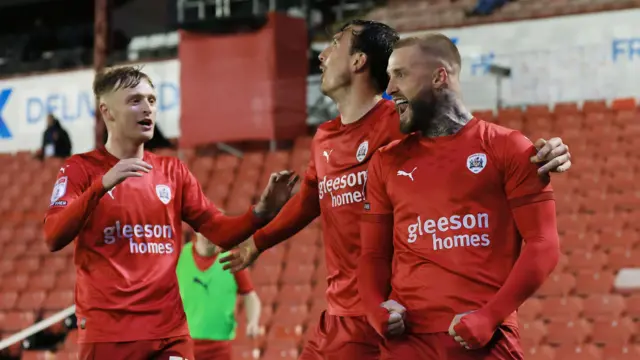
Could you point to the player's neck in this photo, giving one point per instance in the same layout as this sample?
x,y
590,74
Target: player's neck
x,y
354,103
204,250
123,149
450,118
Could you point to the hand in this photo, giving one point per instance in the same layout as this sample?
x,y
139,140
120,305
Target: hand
x,y
554,153
124,169
241,257
395,325
277,193
253,330
472,330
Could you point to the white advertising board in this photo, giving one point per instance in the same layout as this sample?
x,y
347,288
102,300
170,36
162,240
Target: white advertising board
x,y
569,58
26,101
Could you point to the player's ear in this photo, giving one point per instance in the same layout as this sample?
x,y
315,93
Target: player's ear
x,y
359,61
440,77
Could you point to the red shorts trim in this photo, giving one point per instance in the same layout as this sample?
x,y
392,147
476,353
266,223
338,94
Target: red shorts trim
x,y
173,348
505,345
342,338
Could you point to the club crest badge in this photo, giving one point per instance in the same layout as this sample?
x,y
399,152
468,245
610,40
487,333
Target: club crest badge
x,y
363,149
164,193
476,162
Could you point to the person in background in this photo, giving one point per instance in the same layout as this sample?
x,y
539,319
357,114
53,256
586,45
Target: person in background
x,y
209,295
55,140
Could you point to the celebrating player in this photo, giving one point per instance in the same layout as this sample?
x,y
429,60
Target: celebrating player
x,y
450,205
125,206
354,77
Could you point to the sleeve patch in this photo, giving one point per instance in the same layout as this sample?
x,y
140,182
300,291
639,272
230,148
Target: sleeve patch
x,y
59,189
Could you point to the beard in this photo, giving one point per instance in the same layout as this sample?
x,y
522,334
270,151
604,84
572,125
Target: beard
x,y
420,112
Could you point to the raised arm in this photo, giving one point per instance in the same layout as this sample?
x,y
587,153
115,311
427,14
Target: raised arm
x,y
74,198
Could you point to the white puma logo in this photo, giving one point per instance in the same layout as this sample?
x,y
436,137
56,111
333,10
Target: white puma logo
x,y
326,154
62,169
110,193
409,175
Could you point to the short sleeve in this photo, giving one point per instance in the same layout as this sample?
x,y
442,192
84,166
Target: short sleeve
x,y
196,207
71,182
243,280
523,185
377,201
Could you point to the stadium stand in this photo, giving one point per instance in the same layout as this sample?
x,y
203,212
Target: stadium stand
x,y
577,314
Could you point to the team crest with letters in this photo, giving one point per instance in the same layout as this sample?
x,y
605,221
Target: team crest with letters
x,y
361,154
59,189
164,193
476,162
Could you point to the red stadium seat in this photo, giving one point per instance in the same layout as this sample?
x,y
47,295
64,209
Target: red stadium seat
x,y
540,353
294,295
282,349
15,282
557,285
58,300
267,293
298,273
532,333
8,300
565,308
604,307
594,282
581,352
530,310
560,332
290,322
31,300
613,332
42,281
616,352
15,321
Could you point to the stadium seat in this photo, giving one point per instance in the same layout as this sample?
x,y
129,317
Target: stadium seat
x,y
563,308
613,332
530,310
532,333
616,352
298,273
294,295
603,306
31,300
557,285
281,349
579,352
58,300
540,353
15,321
561,332
594,282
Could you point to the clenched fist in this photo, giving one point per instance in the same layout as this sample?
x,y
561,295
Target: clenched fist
x,y
395,324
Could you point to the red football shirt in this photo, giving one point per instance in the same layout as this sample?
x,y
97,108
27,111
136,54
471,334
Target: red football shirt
x,y
454,237
127,250
338,168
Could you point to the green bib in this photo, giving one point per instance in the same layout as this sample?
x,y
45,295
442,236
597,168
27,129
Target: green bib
x,y
209,298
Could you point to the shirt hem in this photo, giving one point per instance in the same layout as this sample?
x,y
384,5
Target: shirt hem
x,y
87,338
